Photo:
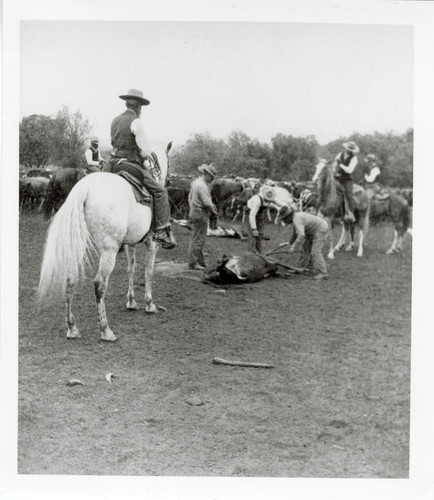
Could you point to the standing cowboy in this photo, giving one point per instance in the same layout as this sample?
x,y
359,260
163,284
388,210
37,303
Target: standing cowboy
x,y
201,206
310,232
132,153
93,157
344,165
257,206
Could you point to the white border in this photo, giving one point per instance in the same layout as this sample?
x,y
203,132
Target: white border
x,y
420,15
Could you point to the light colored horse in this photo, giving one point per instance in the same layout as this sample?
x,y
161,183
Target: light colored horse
x,y
99,215
330,205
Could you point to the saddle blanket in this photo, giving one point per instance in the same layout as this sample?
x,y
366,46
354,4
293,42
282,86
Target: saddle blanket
x,y
141,194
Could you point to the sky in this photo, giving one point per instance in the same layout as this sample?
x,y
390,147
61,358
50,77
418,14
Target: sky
x,y
321,79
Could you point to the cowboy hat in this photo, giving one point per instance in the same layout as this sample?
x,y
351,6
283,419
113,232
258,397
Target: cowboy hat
x,y
209,169
137,95
371,156
351,146
94,140
285,211
268,193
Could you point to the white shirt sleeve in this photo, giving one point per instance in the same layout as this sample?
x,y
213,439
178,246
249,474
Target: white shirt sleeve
x,y
138,129
254,204
350,168
373,174
89,161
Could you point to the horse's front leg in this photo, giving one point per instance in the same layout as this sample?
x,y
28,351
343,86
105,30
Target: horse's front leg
x,y
350,232
131,259
342,239
106,265
73,332
360,248
331,252
152,249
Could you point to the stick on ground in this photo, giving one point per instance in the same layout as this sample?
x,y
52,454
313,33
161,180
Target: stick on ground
x,y
220,361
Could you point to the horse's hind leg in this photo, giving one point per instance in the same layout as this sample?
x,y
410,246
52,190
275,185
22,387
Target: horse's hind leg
x,y
152,249
131,259
392,249
73,332
106,265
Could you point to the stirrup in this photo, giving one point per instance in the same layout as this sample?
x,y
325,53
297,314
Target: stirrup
x,y
166,238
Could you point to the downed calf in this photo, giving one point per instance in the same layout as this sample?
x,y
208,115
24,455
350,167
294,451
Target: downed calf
x,y
247,267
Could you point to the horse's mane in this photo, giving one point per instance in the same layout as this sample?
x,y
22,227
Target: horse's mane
x,y
328,195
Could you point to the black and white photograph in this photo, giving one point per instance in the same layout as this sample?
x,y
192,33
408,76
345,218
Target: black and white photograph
x,y
216,267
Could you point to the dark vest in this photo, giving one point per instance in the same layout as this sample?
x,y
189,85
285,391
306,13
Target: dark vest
x,y
344,176
123,140
95,155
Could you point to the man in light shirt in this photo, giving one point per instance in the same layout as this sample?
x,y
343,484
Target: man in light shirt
x,y
93,156
201,206
133,154
371,182
344,165
310,232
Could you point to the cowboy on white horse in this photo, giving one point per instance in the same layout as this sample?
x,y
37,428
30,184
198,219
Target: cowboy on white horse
x,y
132,153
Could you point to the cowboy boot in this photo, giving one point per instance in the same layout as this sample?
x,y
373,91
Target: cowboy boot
x,y
165,237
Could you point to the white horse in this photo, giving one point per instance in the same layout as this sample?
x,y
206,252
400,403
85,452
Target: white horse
x,y
100,214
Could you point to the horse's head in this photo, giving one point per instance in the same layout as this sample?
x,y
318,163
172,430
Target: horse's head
x,y
319,169
164,163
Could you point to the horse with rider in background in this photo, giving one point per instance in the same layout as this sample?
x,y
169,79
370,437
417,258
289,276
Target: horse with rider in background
x,y
331,204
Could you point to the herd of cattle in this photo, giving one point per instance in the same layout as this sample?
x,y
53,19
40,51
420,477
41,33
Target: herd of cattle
x,y
230,195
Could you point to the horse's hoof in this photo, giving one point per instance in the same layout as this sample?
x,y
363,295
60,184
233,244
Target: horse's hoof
x,y
108,335
151,308
73,333
132,305
330,256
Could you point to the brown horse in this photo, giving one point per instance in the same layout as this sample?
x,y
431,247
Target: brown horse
x,y
397,210
61,183
331,205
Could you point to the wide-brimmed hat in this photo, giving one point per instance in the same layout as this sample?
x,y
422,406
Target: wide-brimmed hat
x,y
351,146
268,193
285,211
371,156
209,169
137,95
94,139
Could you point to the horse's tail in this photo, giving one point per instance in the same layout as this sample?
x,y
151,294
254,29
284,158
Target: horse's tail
x,y
406,217
68,247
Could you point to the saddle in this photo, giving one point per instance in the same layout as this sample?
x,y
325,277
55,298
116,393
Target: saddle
x,y
141,194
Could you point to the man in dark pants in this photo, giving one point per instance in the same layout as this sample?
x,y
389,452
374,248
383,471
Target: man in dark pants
x,y
201,205
344,165
310,232
132,153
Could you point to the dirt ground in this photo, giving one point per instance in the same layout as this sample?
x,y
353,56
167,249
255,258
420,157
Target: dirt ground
x,y
336,403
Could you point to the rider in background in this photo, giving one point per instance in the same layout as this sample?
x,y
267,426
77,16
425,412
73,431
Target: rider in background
x,y
344,165
93,156
372,185
133,154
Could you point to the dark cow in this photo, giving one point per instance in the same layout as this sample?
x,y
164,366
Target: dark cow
x,y
178,189
223,189
246,267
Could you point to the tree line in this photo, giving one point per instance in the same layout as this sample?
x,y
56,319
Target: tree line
x,y
62,139
290,158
